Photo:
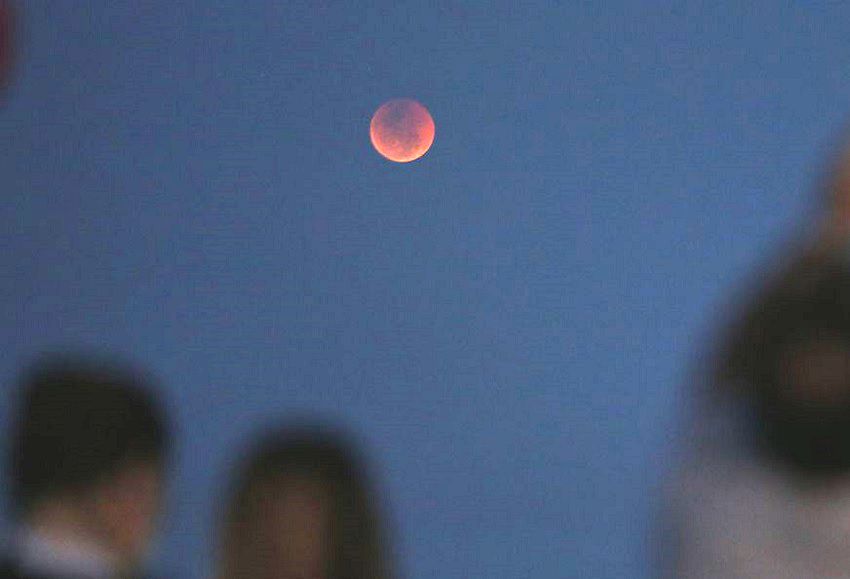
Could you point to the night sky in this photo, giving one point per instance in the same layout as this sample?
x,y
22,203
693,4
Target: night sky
x,y
505,324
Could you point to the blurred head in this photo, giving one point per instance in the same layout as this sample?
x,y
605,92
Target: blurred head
x,y
792,357
88,449
301,508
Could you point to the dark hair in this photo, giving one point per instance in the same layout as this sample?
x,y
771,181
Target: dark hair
x,y
808,291
808,303
810,298
80,420
322,455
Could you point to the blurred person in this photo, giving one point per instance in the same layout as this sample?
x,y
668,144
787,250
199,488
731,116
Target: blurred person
x,y
301,507
764,487
86,471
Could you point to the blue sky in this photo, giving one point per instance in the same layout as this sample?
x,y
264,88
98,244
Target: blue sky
x,y
505,324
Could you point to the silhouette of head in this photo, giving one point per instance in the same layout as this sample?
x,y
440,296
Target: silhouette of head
x,y
90,443
792,353
301,509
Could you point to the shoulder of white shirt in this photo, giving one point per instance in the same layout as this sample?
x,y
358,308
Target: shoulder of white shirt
x,y
61,556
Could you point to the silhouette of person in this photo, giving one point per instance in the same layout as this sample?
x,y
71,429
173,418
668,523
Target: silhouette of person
x,y
301,507
764,490
87,469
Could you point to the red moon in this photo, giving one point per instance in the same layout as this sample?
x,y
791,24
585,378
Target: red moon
x,y
402,130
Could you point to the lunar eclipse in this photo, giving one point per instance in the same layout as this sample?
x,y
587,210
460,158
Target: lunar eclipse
x,y
402,130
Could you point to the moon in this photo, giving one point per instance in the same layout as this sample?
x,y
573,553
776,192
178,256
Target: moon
x,y
402,130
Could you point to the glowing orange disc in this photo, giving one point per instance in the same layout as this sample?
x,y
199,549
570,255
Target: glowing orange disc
x,y
402,130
